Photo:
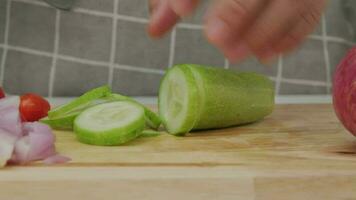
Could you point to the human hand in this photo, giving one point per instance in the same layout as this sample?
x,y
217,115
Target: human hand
x,y
264,28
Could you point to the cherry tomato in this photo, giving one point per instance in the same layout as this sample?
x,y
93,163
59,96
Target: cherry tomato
x,y
33,107
2,93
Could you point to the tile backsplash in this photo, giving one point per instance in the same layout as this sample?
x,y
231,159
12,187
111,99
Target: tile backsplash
x,y
64,53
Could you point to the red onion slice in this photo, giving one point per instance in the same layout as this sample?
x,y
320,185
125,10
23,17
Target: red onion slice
x,y
37,144
10,101
7,143
10,120
56,159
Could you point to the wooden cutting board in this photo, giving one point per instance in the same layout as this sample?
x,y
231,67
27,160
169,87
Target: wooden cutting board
x,y
299,152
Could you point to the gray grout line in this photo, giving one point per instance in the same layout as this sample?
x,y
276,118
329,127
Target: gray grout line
x,y
38,3
172,48
84,61
331,39
190,26
326,54
113,44
299,81
279,75
93,12
304,82
139,69
5,45
132,19
226,64
30,51
55,55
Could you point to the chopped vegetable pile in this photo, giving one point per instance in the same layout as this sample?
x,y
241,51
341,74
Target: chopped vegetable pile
x,y
22,140
191,97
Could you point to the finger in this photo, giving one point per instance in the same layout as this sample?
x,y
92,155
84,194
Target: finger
x,y
183,7
270,28
152,5
237,51
296,36
293,38
227,20
163,18
274,23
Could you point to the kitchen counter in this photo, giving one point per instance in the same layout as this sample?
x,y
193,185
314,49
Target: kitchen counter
x,y
301,151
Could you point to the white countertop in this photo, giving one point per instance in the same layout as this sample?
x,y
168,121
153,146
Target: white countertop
x,y
285,99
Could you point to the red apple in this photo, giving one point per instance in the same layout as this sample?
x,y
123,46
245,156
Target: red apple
x,y
344,91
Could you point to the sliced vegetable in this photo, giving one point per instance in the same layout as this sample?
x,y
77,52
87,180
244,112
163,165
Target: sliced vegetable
x,y
21,143
36,144
10,101
76,106
194,97
56,159
61,123
108,124
10,120
152,119
179,100
7,144
33,107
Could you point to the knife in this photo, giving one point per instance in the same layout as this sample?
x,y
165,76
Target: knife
x,y
61,4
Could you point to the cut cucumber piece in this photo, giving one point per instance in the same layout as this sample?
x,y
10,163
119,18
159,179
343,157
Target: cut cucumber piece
x,y
194,97
152,119
79,104
62,123
110,124
178,101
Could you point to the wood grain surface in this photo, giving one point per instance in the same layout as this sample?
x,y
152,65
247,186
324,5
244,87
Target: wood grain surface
x,y
299,152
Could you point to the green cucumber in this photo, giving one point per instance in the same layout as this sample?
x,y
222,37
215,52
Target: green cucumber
x,y
110,124
152,119
79,104
194,97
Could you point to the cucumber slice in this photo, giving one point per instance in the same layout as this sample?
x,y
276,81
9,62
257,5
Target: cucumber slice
x,y
178,100
152,119
110,124
62,123
88,99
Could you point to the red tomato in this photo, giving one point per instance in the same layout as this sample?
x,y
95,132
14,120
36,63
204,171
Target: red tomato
x,y
33,107
2,93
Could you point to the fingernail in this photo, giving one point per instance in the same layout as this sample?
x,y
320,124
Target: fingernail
x,y
155,11
268,61
216,31
268,56
182,7
153,26
242,51
238,53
